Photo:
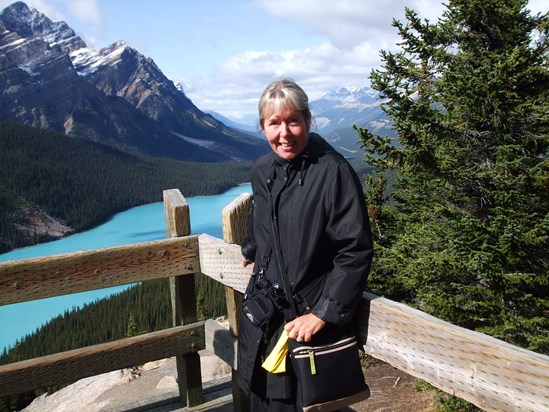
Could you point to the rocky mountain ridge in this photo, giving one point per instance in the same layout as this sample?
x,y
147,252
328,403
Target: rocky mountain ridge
x,y
334,115
337,111
49,78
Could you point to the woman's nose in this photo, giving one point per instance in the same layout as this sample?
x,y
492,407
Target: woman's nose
x,y
284,129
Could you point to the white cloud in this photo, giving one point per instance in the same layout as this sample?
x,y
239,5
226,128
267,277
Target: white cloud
x,y
86,11
348,23
355,31
323,65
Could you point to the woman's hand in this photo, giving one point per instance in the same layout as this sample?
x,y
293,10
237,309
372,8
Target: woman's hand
x,y
304,327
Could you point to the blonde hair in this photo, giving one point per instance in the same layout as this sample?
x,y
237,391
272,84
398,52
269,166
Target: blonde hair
x,y
281,95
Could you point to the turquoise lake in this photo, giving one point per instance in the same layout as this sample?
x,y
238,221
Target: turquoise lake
x,y
140,224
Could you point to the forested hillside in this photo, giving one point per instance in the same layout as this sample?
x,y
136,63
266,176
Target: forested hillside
x,y
142,308
83,183
465,236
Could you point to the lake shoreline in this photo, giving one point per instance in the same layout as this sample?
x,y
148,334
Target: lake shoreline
x,y
58,225
139,224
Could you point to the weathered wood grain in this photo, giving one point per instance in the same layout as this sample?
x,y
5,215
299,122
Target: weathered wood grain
x,y
223,262
234,219
221,342
63,274
488,372
235,223
183,298
492,374
176,213
93,360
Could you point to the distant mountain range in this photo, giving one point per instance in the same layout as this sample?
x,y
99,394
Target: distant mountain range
x,y
252,129
50,79
336,113
334,116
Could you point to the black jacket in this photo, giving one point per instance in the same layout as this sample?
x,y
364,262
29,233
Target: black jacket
x,y
324,235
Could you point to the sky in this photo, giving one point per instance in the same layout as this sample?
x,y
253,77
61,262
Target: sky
x,y
225,52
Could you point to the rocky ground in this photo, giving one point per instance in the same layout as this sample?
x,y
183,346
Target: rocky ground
x,y
32,222
36,222
132,389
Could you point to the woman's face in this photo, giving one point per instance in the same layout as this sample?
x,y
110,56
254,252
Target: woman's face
x,y
287,133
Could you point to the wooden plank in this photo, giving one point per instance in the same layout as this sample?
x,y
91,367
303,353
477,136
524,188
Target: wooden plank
x,y
183,298
93,360
241,401
234,307
235,222
189,377
188,367
223,262
234,219
485,371
176,212
221,342
178,223
63,274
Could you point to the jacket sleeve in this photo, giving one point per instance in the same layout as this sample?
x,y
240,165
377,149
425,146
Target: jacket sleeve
x,y
249,247
348,229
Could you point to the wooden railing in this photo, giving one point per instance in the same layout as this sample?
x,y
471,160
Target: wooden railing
x,y
485,371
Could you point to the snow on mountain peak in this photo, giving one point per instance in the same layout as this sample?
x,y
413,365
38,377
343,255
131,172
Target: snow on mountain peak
x,y
179,86
349,94
87,61
28,23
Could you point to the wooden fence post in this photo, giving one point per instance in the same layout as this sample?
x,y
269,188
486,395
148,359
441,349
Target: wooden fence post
x,y
234,221
183,297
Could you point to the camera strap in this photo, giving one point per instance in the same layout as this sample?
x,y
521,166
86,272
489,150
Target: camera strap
x,y
266,257
274,238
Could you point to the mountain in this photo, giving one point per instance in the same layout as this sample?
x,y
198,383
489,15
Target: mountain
x,y
337,111
334,115
52,184
50,79
252,130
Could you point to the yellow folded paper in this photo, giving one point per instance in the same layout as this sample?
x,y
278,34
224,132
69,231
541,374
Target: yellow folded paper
x,y
276,361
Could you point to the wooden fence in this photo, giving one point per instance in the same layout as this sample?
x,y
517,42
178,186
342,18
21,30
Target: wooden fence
x,y
487,372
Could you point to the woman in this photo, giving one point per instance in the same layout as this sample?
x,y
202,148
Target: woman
x,y
317,202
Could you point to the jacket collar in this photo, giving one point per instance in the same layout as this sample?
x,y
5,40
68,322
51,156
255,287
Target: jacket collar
x,y
316,147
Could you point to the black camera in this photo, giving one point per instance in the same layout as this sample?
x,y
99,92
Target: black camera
x,y
263,301
259,309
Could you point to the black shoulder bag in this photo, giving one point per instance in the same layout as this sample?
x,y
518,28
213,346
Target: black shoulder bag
x,y
329,376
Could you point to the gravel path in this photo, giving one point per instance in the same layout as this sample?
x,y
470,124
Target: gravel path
x,y
155,384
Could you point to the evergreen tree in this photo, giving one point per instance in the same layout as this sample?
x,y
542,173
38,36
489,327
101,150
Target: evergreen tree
x,y
82,183
132,329
466,234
